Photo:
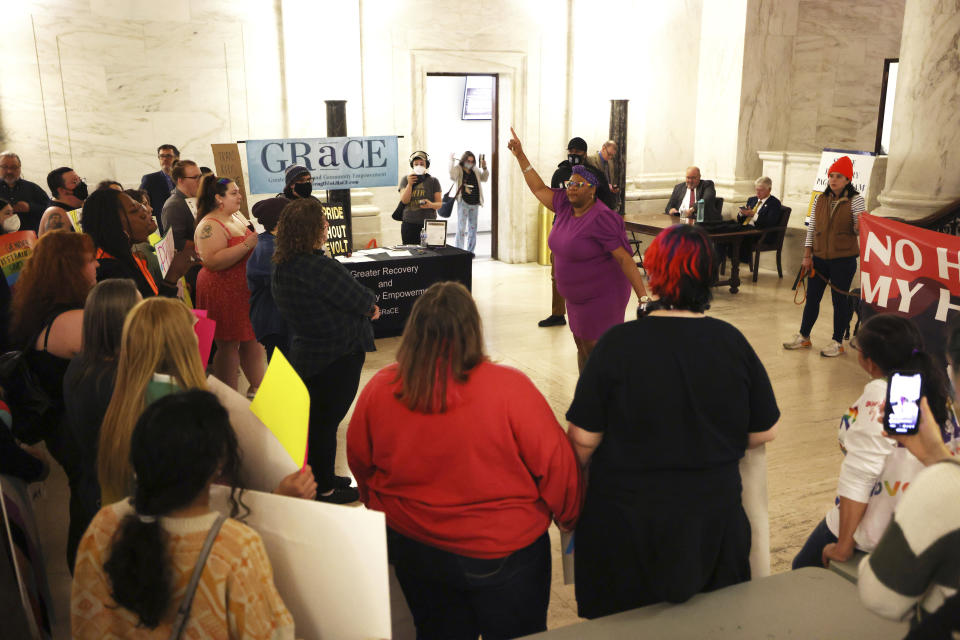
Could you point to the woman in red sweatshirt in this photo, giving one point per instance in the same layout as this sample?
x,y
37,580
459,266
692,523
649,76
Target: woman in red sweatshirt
x,y
469,464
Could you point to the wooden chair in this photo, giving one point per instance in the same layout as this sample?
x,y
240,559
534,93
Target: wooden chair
x,y
772,241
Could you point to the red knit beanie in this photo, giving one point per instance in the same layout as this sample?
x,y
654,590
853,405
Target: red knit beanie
x,y
843,166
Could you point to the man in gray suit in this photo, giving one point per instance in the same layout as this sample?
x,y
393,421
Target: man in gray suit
x,y
683,200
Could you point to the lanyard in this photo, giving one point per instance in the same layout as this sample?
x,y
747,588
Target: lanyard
x,y
141,263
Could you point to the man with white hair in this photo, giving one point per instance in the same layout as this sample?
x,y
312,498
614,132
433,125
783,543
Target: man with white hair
x,y
28,199
603,160
762,211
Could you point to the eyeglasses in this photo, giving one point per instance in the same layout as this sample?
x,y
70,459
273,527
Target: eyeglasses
x,y
193,177
578,185
9,167
166,155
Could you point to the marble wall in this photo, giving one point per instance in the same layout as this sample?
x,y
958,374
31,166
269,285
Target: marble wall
x,y
98,84
837,71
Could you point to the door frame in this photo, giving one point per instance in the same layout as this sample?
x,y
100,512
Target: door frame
x,y
494,155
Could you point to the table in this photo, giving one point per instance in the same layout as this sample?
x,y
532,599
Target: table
x,y
399,281
653,223
808,603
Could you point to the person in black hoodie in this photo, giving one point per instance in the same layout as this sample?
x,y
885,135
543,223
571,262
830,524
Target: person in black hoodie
x,y
576,154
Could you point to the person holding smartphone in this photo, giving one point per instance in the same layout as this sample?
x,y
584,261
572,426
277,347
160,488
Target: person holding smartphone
x,y
875,470
915,569
421,194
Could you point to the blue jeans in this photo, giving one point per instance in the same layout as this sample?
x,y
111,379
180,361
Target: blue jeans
x,y
840,272
453,596
811,555
467,219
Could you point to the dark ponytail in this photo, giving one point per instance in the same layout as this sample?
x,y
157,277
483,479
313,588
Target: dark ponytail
x,y
211,186
180,443
894,343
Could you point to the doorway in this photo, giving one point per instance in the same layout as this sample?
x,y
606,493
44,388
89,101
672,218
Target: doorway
x,y
461,115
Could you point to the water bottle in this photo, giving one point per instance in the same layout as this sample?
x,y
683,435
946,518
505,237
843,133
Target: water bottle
x,y
700,210
423,236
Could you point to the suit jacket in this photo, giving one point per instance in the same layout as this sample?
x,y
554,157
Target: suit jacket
x,y
176,215
159,190
768,215
705,191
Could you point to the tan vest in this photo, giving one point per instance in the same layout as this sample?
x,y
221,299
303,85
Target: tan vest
x,y
834,235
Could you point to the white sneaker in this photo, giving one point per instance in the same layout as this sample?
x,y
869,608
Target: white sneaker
x,y
833,350
798,342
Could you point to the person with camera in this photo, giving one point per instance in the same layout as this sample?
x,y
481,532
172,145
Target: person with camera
x,y
469,196
875,471
421,194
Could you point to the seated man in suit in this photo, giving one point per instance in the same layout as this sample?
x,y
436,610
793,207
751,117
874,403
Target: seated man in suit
x,y
683,200
158,185
762,211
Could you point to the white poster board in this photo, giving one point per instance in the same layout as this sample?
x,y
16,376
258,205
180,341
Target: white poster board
x,y
165,251
264,462
329,563
862,169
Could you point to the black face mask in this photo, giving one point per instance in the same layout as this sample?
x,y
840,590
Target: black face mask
x,y
575,159
303,189
80,191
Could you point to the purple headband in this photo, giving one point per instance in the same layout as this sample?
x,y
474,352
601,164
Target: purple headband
x,y
587,175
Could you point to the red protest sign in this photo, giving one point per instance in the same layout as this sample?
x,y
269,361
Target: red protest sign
x,y
911,272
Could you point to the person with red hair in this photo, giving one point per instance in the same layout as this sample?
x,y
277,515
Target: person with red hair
x,y
830,255
47,325
469,465
664,410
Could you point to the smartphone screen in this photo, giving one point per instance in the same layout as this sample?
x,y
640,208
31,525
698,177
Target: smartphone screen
x,y
902,413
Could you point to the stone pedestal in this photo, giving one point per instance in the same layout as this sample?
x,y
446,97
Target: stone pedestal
x,y
922,171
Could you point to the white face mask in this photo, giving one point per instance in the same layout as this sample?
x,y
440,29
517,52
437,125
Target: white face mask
x,y
468,165
419,169
11,224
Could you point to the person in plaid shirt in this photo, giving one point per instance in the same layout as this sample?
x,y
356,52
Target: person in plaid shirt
x,y
329,316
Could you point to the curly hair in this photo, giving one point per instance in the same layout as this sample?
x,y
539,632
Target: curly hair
x,y
52,278
300,228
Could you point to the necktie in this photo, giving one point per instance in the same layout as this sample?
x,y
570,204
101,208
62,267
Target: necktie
x,y
692,203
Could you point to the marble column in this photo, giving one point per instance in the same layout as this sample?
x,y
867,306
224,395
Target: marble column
x,y
924,154
743,94
618,133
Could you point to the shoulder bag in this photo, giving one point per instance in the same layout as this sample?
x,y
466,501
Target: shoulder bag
x,y
183,611
447,207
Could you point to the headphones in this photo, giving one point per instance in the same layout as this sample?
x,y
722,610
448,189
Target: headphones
x,y
419,154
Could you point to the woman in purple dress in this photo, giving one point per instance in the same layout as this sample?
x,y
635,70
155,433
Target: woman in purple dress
x,y
594,266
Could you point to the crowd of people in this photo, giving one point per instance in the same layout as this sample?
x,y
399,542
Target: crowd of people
x,y
464,456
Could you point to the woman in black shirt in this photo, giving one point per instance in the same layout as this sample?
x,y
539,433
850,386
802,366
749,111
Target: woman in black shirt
x,y
663,519
469,196
88,388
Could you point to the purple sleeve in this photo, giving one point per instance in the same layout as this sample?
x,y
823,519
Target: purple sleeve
x,y
610,231
560,202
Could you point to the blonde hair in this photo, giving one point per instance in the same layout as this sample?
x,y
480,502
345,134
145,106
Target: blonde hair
x,y
157,337
443,341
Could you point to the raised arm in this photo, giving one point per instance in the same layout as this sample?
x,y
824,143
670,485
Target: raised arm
x,y
542,192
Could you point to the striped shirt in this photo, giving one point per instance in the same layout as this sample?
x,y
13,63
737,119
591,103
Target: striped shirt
x,y
857,206
918,558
